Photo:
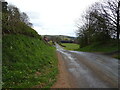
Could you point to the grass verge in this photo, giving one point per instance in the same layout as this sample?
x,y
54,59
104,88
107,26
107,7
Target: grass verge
x,y
27,62
97,47
108,48
70,46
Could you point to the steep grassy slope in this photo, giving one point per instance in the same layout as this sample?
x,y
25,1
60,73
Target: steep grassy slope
x,y
27,62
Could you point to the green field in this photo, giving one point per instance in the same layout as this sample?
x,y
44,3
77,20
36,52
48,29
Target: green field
x,y
27,62
70,46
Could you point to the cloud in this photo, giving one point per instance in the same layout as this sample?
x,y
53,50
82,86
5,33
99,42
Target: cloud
x,y
2,0
53,16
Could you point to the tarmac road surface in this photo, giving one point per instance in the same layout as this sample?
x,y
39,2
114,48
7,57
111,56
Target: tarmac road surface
x,y
89,70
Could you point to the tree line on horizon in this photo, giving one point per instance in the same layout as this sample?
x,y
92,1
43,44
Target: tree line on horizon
x,y
100,23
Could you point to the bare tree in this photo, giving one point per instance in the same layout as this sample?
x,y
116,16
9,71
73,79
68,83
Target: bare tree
x,y
96,26
24,18
110,10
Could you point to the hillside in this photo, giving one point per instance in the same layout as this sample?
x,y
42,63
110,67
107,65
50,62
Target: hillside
x,y
61,37
27,61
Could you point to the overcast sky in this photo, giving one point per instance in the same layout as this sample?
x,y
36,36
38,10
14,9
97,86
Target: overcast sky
x,y
53,17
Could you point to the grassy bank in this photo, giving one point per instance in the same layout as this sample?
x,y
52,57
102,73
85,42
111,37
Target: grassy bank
x,y
98,47
27,62
108,47
70,46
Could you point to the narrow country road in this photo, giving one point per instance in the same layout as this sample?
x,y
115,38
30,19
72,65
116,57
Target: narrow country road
x,y
88,70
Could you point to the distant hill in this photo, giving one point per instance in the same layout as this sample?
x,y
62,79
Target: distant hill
x,y
61,37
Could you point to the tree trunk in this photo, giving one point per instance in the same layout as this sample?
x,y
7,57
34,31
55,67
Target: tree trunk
x,y
118,27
